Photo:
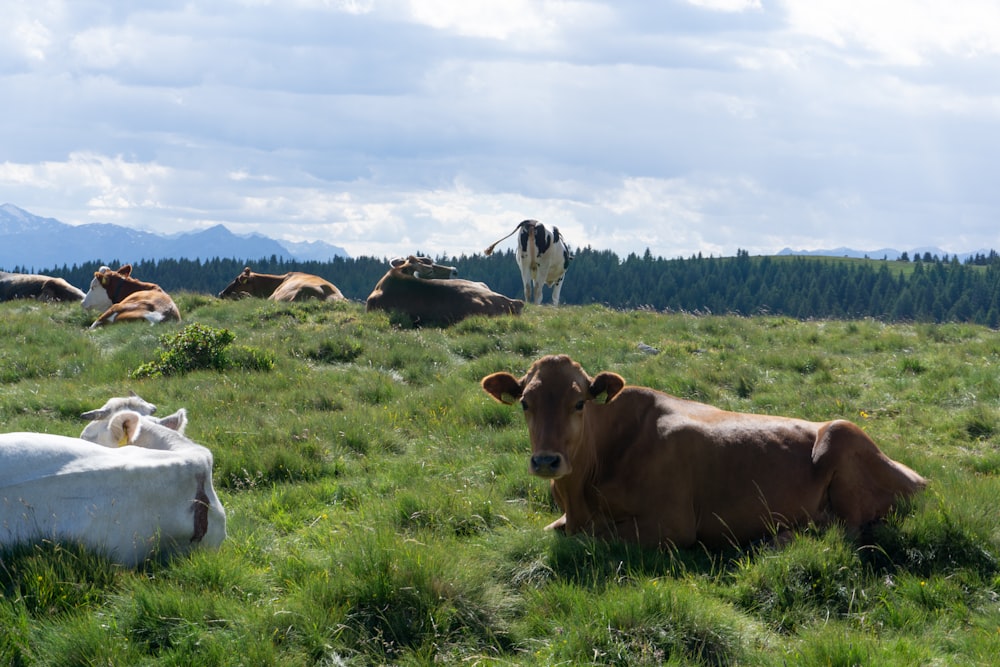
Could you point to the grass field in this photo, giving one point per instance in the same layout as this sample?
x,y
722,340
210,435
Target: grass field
x,y
380,510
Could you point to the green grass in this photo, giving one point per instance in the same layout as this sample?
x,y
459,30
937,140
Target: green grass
x,y
380,509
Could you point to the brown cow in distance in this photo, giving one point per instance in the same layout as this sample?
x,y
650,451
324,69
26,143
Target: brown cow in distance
x,y
436,301
292,286
36,286
423,267
650,468
125,299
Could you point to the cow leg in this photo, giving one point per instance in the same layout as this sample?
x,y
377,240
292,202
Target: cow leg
x,y
527,283
558,524
537,288
864,483
556,289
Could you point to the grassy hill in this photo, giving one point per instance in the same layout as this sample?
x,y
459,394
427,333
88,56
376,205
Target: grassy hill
x,y
380,509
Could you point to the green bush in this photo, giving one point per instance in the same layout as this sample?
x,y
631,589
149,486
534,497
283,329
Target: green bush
x,y
198,347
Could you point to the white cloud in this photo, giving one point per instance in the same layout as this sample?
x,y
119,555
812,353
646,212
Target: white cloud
x,y
727,5
704,125
530,24
904,32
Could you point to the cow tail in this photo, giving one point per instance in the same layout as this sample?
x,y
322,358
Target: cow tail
x,y
489,250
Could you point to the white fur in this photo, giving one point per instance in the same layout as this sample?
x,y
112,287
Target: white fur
x,y
129,502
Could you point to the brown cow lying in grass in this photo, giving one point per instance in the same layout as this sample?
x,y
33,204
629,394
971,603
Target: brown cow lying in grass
x,y
405,289
292,286
650,468
126,299
35,286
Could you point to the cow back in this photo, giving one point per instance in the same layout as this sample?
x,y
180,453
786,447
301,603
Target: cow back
x,y
127,503
435,301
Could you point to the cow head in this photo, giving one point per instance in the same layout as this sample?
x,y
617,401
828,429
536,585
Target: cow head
x,y
98,297
131,402
423,267
123,427
112,426
237,288
554,394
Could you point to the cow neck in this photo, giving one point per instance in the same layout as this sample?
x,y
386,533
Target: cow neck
x,y
157,436
124,287
266,283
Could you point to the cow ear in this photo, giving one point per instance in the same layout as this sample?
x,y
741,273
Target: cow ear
x,y
606,386
503,387
177,421
124,427
92,415
125,271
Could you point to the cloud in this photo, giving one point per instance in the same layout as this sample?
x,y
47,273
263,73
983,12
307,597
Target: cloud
x,y
391,126
902,32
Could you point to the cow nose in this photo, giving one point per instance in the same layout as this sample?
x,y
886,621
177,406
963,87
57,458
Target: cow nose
x,y
545,465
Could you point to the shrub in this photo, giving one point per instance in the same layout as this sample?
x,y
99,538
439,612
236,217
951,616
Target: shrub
x,y
198,347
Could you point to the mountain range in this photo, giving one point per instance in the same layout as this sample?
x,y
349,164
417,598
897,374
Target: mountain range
x,y
35,243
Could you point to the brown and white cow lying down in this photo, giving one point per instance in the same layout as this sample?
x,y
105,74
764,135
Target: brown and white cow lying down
x,y
125,299
436,301
35,286
292,286
132,487
650,468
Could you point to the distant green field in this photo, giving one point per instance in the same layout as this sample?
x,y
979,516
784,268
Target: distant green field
x,y
380,509
895,266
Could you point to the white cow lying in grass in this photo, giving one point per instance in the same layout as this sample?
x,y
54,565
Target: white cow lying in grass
x,y
134,488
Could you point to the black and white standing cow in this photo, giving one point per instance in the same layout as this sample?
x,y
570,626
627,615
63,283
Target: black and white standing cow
x,y
542,256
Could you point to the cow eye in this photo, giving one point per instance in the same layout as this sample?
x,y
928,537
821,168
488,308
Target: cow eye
x,y
579,404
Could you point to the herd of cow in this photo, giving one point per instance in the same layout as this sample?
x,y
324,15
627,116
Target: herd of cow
x,y
624,462
428,293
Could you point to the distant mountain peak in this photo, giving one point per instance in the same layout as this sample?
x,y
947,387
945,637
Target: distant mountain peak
x,y
35,243
881,253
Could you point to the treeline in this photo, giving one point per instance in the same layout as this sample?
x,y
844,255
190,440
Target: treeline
x,y
928,290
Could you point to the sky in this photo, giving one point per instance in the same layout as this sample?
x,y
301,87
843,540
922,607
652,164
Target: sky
x,y
435,126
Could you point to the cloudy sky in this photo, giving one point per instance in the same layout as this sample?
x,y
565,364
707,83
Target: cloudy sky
x,y
391,126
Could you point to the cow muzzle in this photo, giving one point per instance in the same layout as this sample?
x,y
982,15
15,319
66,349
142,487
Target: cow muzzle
x,y
549,465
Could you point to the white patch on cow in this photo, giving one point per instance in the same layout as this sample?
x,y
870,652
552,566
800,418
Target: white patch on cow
x,y
97,297
110,320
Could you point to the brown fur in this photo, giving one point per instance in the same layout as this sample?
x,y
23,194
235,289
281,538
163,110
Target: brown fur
x,y
654,469
292,286
423,267
36,286
133,300
433,301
